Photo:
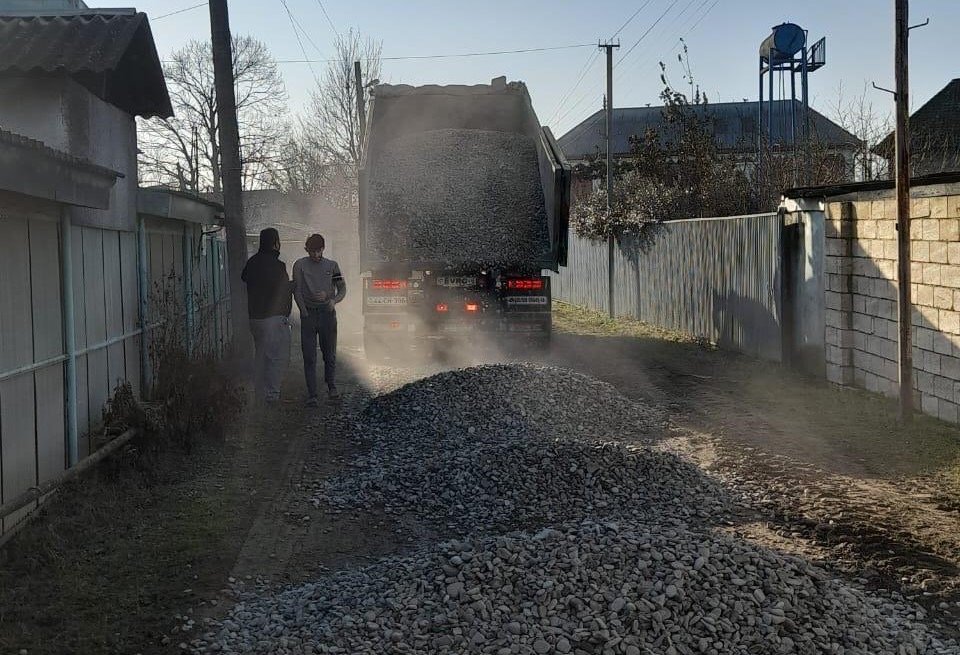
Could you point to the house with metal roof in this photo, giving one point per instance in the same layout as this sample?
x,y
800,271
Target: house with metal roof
x,y
76,79
734,125
934,134
84,252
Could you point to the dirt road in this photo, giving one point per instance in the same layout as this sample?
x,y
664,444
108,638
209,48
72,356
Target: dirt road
x,y
823,473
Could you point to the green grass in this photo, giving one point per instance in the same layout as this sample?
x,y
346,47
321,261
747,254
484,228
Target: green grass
x,y
571,319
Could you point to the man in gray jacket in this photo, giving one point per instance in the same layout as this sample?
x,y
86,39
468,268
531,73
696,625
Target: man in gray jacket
x,y
318,286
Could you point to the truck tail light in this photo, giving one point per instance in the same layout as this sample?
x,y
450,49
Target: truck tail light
x,y
442,307
473,307
525,284
390,284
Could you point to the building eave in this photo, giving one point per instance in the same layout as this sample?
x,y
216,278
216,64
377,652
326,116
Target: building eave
x,y
30,168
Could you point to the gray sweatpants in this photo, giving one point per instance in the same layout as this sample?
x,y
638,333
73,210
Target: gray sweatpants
x,y
271,338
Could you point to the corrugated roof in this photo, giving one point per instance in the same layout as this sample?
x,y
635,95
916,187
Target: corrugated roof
x,y
19,141
734,123
113,55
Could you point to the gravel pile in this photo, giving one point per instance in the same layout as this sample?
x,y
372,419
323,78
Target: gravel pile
x,y
586,588
507,447
457,197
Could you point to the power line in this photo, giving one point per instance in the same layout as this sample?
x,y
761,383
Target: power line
x,y
179,11
619,61
493,52
296,33
298,24
590,61
643,63
583,73
649,29
630,20
715,3
307,60
327,16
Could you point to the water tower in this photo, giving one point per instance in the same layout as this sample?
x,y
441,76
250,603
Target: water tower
x,y
785,54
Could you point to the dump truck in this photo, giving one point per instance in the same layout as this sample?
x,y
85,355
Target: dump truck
x,y
464,204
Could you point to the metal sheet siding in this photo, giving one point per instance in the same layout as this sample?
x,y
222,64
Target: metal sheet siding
x,y
130,300
113,299
47,344
717,279
18,463
94,309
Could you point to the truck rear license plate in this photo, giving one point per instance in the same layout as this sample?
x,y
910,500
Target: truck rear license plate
x,y
526,300
447,281
386,300
458,327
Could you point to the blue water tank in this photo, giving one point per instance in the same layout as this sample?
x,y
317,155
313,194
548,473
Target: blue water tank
x,y
784,42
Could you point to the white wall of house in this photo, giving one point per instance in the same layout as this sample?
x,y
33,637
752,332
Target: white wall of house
x,y
64,115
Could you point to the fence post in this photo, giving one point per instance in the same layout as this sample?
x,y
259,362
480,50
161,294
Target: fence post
x,y
187,248
215,283
69,337
146,377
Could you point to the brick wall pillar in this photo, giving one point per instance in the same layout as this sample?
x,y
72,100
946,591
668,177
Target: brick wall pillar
x,y
839,292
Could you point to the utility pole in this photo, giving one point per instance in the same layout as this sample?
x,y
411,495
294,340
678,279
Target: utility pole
x,y
611,240
905,302
361,106
230,168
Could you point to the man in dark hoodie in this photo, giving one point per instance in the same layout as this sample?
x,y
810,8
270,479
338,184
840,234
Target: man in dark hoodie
x,y
269,302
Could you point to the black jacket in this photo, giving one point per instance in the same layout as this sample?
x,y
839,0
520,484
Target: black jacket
x,y
268,285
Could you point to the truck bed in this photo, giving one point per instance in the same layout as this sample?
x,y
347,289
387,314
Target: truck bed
x,y
460,176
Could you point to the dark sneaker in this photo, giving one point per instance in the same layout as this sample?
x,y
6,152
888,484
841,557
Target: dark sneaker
x,y
312,402
334,394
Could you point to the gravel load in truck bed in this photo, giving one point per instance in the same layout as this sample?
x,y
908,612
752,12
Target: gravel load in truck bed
x,y
457,197
508,446
582,588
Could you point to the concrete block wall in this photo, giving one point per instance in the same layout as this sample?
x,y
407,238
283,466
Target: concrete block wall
x,y
861,296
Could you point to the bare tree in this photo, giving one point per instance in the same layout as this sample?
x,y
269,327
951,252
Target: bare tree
x,y
184,151
858,116
324,153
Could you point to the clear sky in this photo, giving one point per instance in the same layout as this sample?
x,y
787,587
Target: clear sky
x,y
723,38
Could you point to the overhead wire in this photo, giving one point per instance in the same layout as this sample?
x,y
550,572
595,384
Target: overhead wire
x,y
588,93
583,73
590,61
296,33
298,24
327,16
307,60
643,63
179,11
630,20
649,29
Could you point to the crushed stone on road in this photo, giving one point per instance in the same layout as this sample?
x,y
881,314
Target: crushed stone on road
x,y
573,534
591,587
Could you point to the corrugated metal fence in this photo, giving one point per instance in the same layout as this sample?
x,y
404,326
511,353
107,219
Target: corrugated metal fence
x,y
107,328
715,278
